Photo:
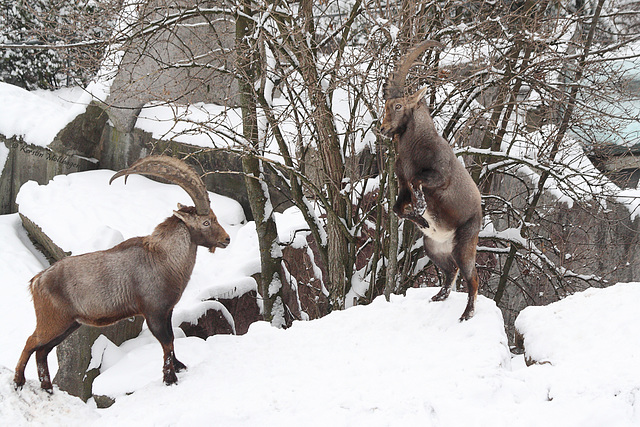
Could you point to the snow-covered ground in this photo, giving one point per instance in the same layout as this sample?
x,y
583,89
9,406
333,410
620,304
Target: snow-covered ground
x,y
402,363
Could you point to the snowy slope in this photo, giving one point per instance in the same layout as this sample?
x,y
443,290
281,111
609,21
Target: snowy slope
x,y
19,262
401,363
404,362
592,342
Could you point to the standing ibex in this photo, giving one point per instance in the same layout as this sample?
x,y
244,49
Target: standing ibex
x,y
142,275
435,190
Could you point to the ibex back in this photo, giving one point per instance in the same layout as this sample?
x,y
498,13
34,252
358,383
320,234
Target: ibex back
x,y
435,190
142,275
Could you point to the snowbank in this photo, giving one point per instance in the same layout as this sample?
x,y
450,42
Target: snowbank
x,y
38,116
591,340
34,408
407,362
19,262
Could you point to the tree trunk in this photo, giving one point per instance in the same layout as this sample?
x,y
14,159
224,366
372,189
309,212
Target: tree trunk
x,y
339,268
270,286
391,284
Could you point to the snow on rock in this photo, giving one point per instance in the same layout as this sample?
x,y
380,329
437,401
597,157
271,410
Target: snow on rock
x,y
186,123
589,342
74,209
38,116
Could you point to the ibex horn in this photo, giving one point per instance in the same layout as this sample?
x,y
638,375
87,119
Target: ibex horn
x,y
394,86
175,171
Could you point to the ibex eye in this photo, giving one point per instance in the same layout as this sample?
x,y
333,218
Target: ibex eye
x,y
206,223
398,106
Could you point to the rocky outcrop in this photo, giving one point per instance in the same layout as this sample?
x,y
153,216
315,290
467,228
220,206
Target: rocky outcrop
x,y
26,162
242,309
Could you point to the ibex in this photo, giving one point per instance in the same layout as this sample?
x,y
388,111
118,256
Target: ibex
x,y
142,275
435,190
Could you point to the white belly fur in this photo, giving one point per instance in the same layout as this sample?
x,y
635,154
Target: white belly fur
x,y
441,239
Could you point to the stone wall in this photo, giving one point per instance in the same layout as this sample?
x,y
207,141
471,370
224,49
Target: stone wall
x,y
27,162
178,64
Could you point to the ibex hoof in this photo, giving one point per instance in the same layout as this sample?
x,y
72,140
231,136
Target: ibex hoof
x,y
442,295
179,366
18,382
468,314
170,379
46,385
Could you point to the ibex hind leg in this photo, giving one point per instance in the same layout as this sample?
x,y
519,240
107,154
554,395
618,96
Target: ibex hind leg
x,y
41,342
470,274
29,348
450,278
178,365
43,352
464,254
447,265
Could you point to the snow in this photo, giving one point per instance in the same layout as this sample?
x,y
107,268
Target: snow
x,y
595,315
185,123
408,361
38,116
4,155
19,262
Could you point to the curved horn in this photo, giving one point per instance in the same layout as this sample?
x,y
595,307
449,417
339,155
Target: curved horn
x,y
173,170
394,86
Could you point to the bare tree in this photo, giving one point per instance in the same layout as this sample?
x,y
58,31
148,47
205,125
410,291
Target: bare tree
x,y
522,90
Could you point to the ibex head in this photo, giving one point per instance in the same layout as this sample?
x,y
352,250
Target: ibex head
x,y
200,220
204,229
399,108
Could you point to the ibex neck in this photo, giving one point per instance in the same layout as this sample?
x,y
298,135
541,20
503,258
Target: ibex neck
x,y
420,130
172,239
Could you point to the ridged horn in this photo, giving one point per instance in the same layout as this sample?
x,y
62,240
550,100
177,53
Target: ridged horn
x,y
394,86
175,171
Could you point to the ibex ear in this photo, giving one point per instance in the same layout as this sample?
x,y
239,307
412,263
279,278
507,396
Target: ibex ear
x,y
416,97
181,215
180,206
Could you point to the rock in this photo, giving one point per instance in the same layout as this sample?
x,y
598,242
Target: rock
x,y
212,322
74,354
243,309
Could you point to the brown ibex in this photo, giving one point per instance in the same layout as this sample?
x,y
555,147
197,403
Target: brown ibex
x,y
435,190
142,275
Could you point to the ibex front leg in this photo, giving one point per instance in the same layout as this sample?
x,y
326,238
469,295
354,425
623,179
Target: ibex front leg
x,y
418,207
160,327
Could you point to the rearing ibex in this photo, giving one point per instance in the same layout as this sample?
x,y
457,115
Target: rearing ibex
x,y
435,190
142,275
